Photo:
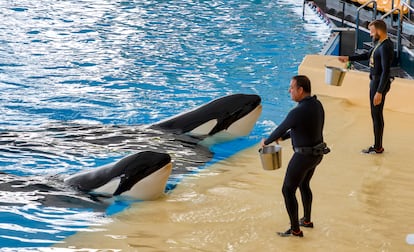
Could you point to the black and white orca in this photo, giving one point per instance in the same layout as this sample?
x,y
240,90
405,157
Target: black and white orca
x,y
220,120
144,175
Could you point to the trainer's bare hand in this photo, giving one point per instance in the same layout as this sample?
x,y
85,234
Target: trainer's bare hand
x,y
262,144
377,99
343,59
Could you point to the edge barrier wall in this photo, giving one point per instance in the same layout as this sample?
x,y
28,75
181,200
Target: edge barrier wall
x,y
355,86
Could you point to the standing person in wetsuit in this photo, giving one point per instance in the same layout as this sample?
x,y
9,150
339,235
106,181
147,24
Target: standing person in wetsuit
x,y
304,125
380,60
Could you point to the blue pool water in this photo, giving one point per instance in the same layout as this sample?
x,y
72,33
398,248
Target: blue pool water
x,y
128,63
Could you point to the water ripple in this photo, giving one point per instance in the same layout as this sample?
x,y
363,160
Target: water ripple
x,y
108,66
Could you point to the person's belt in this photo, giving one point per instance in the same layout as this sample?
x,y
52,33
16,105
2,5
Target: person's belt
x,y
304,150
317,150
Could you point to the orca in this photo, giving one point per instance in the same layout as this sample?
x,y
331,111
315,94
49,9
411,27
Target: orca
x,y
174,146
144,175
222,119
141,176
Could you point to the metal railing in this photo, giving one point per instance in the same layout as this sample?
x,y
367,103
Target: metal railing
x,y
408,5
374,15
399,28
303,9
408,18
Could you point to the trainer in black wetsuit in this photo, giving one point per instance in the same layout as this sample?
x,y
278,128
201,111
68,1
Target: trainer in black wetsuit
x,y
380,59
304,125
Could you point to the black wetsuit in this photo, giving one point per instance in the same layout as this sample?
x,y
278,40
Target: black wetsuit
x,y
304,125
379,75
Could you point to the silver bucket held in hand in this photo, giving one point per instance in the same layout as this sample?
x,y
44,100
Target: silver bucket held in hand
x,y
271,157
334,75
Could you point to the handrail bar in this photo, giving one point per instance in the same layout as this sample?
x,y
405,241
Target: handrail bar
x,y
408,5
398,29
374,15
303,9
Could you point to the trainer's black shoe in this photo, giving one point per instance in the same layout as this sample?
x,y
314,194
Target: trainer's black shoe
x,y
372,149
303,223
290,232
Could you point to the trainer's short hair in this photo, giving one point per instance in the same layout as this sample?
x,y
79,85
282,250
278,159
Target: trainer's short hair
x,y
379,24
303,82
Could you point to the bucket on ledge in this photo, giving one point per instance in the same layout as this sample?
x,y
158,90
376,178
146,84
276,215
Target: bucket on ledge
x,y
334,75
271,157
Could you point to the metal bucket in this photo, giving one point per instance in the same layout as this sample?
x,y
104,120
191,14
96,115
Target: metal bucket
x,y
271,157
334,75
